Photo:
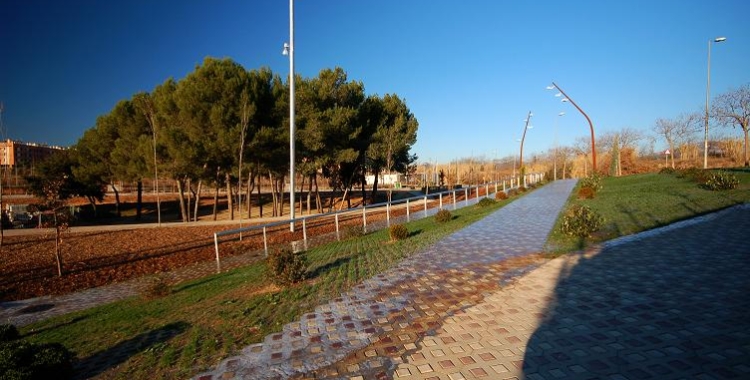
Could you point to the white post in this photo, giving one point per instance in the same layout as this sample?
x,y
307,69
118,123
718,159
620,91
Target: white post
x,y
364,218
216,245
408,217
304,231
338,235
265,241
291,114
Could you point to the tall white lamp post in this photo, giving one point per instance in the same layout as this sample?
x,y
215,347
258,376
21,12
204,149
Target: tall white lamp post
x,y
708,90
289,50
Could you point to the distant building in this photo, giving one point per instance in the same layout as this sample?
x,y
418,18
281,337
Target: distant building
x,y
18,153
385,179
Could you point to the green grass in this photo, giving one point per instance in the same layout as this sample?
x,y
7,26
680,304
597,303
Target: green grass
x,y
638,203
206,320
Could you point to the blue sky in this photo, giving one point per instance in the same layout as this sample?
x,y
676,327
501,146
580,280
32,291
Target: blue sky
x,y
469,70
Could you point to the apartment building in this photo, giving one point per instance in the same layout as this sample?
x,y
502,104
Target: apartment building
x,y
23,154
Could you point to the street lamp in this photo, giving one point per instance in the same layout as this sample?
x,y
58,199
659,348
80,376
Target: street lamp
x,y
554,161
708,89
289,50
566,99
523,137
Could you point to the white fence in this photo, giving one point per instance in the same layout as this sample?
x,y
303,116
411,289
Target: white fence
x,y
314,230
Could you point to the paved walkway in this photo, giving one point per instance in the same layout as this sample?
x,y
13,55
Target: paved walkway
x,y
372,331
667,304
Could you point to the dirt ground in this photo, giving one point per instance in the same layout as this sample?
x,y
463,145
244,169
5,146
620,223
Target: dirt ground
x,y
96,258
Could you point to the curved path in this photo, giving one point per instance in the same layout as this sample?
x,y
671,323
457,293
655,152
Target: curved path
x,y
374,330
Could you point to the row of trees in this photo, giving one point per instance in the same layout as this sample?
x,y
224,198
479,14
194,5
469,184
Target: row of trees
x,y
227,127
730,109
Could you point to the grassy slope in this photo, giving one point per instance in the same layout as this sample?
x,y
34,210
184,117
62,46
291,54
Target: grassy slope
x,y
641,202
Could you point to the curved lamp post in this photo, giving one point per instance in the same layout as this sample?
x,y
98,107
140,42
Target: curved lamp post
x,y
289,50
523,137
708,90
554,161
591,125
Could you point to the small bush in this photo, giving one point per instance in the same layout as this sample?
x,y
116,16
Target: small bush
x,y
157,288
586,193
512,192
398,232
693,174
8,332
443,216
355,231
593,181
286,267
500,195
721,180
22,360
581,221
521,189
667,170
486,202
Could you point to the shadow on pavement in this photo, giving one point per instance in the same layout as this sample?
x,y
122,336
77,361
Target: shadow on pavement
x,y
673,303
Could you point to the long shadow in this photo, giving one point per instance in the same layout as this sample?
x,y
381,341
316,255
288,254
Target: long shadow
x,y
101,361
667,305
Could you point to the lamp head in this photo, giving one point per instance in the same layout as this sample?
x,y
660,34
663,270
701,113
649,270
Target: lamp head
x,y
564,100
561,114
550,87
720,39
286,49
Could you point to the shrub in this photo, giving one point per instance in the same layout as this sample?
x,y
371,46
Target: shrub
x,y
593,181
721,180
486,202
667,170
23,360
581,221
512,192
157,288
398,232
586,193
8,332
521,189
286,267
693,174
355,231
443,216
500,195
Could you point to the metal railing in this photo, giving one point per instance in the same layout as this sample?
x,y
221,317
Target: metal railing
x,y
323,228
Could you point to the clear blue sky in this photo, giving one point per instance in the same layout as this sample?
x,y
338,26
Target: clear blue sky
x,y
469,70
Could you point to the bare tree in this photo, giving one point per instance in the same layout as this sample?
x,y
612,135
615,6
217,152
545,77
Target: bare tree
x,y
675,131
733,109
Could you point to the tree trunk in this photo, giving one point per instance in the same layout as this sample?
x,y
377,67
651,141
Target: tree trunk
x,y
117,199
58,254
181,191
318,201
274,195
363,182
216,200
250,186
309,194
373,197
189,193
230,204
260,201
197,200
745,129
139,201
671,152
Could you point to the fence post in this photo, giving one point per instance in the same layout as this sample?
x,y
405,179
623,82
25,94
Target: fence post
x,y
486,191
454,199
441,201
408,217
338,235
364,218
265,241
503,186
466,196
388,213
304,231
216,244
